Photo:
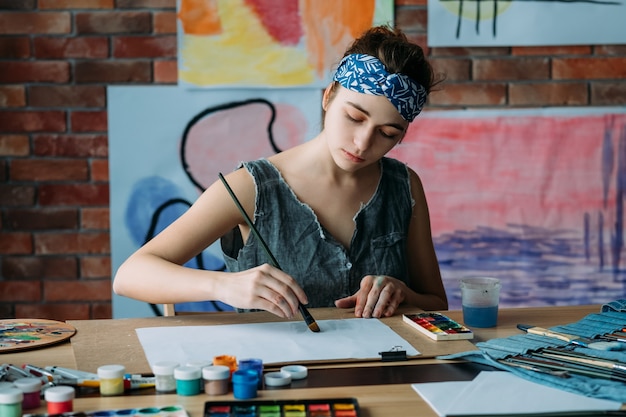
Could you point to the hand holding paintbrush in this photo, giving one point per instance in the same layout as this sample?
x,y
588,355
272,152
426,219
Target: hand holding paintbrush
x,y
310,321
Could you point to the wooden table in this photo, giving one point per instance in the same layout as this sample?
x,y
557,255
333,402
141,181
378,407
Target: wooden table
x,y
390,395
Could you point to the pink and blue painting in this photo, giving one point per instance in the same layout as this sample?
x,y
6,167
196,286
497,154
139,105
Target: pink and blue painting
x,y
532,197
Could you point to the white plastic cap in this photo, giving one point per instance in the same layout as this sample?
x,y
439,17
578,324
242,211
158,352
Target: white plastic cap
x,y
164,367
186,373
111,371
59,394
216,372
11,396
28,385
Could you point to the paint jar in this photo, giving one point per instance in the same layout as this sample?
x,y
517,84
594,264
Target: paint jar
x,y
254,364
188,379
226,360
245,384
60,399
11,402
164,380
199,364
31,388
216,379
111,379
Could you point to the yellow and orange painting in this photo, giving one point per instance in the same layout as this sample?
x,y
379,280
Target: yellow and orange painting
x,y
269,43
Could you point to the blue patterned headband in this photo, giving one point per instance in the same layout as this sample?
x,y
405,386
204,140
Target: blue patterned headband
x,y
366,74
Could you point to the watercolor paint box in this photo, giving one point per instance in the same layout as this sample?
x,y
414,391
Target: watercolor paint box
x,y
437,326
334,407
170,411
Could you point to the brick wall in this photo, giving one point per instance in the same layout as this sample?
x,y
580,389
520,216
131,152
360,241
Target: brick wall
x,y
58,56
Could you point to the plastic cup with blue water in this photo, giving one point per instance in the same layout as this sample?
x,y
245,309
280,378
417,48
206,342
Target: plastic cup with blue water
x,y
479,298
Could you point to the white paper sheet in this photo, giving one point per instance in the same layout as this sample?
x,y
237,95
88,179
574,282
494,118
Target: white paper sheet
x,y
502,393
273,342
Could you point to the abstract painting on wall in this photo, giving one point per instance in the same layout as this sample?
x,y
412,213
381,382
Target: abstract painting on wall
x,y
532,197
269,43
525,22
168,144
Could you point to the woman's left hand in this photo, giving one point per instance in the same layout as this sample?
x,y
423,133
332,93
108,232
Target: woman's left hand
x,y
379,296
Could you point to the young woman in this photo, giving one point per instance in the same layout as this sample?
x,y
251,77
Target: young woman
x,y
348,226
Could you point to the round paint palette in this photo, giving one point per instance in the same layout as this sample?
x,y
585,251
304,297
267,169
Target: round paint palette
x,y
22,334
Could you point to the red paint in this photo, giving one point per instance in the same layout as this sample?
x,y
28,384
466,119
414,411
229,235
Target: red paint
x,y
281,19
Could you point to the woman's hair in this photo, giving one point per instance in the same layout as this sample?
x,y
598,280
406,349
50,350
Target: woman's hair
x,y
396,52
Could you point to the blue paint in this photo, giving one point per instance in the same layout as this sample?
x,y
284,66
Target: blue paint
x,y
480,316
245,384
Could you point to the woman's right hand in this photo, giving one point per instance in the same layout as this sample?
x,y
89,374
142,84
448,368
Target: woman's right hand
x,y
263,287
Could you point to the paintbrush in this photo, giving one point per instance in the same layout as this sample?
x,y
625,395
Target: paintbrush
x,y
576,340
308,318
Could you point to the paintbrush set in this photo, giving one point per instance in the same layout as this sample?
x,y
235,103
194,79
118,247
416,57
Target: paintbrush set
x,y
565,361
587,357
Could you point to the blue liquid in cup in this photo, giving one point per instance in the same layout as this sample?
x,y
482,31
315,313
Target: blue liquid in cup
x,y
480,316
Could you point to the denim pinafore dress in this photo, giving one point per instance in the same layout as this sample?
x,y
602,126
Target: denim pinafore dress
x,y
323,267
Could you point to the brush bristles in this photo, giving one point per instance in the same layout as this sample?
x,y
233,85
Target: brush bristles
x,y
314,327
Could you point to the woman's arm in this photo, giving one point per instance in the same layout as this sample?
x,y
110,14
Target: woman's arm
x,y
154,273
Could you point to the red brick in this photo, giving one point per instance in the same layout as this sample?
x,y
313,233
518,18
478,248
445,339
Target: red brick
x,y
20,290
511,69
16,195
88,121
60,312
95,218
35,71
610,50
95,267
412,20
16,243
99,170
35,23
101,311
113,72
588,68
14,47
471,52
548,94
42,219
71,47
474,94
35,267
48,170
92,290
67,96
146,4
113,22
14,145
608,93
74,194
164,22
453,69
76,4
79,145
32,121
72,243
165,72
144,47
12,96
551,50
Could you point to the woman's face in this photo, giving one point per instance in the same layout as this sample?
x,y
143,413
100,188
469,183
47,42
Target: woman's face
x,y
360,128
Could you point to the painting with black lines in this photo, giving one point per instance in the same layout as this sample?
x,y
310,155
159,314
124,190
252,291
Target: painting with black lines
x,y
525,22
